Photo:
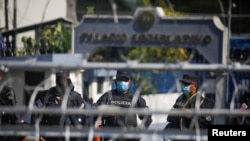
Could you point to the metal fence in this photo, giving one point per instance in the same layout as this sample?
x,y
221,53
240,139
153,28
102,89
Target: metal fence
x,y
222,110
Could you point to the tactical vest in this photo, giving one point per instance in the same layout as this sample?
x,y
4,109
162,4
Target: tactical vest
x,y
123,101
50,100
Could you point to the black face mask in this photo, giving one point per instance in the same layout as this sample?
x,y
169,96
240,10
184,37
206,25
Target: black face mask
x,y
62,83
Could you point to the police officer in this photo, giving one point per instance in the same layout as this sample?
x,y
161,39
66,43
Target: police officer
x,y
187,100
244,105
7,98
53,97
121,97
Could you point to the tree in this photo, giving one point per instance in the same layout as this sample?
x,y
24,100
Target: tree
x,y
49,40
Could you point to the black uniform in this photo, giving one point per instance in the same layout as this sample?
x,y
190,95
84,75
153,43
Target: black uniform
x,y
7,98
75,100
184,102
114,98
51,98
244,120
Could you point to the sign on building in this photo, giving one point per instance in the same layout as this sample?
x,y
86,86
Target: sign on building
x,y
150,27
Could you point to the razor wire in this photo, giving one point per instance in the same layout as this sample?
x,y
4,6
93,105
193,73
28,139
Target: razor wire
x,y
90,132
182,66
223,70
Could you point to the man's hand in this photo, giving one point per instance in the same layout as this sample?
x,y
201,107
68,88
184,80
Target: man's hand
x,y
188,115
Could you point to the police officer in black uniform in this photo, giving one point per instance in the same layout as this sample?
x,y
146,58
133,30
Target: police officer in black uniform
x,y
121,97
187,100
7,98
244,105
53,97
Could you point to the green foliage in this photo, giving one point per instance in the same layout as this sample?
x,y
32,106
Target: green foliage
x,y
2,29
146,3
49,40
145,83
154,54
29,47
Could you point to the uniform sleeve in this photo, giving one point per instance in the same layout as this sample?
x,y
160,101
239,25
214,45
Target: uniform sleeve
x,y
146,119
203,120
173,118
79,100
102,100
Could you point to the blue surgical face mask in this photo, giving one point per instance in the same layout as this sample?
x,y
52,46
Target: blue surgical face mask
x,y
122,86
186,89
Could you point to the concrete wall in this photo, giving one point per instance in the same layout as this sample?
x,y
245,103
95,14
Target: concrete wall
x,y
159,102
